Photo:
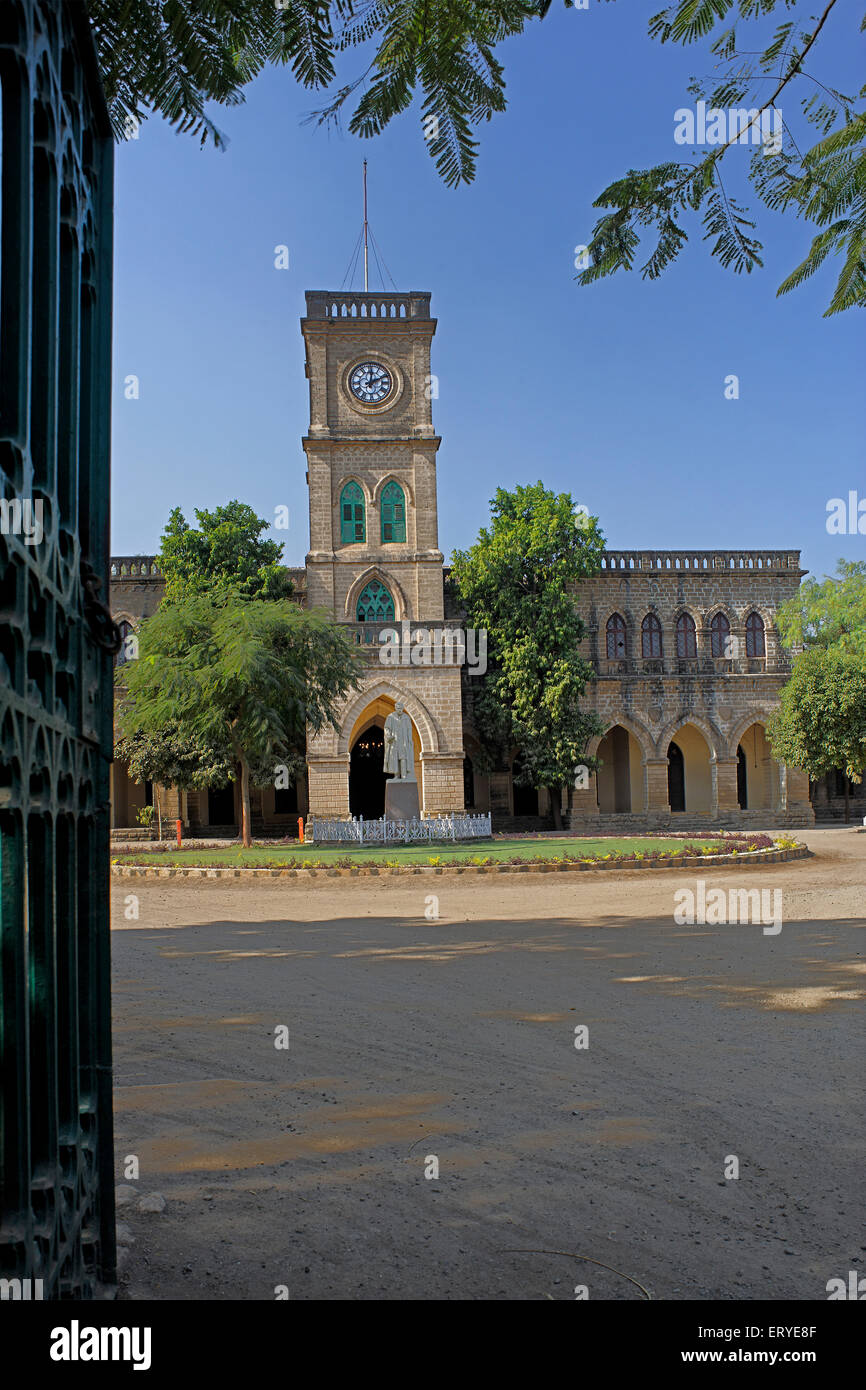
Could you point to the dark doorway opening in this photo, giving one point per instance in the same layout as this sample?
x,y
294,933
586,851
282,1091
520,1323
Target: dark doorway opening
x,y
525,798
366,775
676,778
221,805
286,800
742,784
468,783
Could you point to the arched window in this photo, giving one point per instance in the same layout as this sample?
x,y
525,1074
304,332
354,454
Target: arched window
x,y
617,637
651,636
720,636
393,513
687,642
126,629
375,604
353,526
755,645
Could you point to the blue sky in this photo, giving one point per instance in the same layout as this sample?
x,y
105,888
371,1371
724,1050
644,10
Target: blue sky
x,y
614,393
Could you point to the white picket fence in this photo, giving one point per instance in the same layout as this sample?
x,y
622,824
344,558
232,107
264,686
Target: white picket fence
x,y
364,832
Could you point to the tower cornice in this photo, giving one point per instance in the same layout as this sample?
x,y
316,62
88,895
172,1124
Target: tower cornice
x,y
364,441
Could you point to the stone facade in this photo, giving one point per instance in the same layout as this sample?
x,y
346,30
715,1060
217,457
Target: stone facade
x,y
684,715
374,444
714,707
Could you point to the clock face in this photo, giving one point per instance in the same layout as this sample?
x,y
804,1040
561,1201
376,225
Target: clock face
x,y
371,383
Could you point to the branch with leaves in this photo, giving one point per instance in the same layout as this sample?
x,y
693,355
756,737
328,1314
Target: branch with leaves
x,y
174,57
825,185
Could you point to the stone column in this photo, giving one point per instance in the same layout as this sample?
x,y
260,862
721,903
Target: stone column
x,y
500,801
656,780
584,804
797,795
329,787
725,801
441,778
170,808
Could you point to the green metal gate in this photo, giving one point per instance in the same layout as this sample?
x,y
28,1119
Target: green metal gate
x,y
56,639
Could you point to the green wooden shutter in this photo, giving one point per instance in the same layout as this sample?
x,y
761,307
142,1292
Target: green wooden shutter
x,y
393,513
353,525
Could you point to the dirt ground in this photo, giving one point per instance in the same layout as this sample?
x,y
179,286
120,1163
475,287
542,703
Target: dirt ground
x,y
416,1041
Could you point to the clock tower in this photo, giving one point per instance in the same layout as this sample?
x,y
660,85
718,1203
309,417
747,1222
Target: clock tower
x,y
374,561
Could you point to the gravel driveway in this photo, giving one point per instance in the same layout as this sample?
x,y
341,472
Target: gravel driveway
x,y
419,1044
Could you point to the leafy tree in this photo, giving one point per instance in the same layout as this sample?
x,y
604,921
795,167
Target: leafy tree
x,y
244,676
224,553
824,184
166,759
518,582
830,613
175,56
821,723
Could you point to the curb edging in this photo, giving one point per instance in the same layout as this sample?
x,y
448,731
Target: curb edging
x,y
716,861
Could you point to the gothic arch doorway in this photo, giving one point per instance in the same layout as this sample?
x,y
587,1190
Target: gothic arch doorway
x,y
619,781
676,778
689,772
757,772
742,780
366,775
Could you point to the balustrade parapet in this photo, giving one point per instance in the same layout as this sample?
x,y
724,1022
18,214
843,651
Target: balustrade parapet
x,y
647,668
700,561
352,305
134,567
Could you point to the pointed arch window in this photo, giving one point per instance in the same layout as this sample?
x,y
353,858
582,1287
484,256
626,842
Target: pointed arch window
x,y
126,630
353,523
375,604
687,641
755,644
651,636
393,513
720,636
617,638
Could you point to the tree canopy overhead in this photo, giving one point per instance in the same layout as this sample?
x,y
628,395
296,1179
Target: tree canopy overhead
x,y
762,71
176,56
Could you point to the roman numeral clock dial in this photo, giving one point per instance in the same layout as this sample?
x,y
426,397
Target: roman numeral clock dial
x,y
371,383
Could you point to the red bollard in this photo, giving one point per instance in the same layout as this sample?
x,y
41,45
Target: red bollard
x,y
301,829
179,825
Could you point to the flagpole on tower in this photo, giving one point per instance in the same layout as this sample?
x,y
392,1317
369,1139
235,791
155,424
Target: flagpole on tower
x,y
366,285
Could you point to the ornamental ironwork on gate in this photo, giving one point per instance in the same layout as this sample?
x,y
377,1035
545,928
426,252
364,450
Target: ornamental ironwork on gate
x,y
56,644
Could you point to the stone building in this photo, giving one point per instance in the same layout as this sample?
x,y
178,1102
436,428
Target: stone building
x,y
684,643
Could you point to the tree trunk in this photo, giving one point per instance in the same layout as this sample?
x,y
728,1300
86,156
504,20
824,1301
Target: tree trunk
x,y
246,823
158,814
847,799
555,794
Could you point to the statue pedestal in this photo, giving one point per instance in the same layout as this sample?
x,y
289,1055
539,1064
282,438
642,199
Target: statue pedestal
x,y
401,800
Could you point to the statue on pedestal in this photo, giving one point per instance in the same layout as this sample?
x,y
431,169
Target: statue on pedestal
x,y
399,749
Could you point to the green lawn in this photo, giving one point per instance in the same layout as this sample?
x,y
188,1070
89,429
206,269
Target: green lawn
x,y
493,851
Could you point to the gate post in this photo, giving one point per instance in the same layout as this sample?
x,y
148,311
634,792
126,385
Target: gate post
x,y
56,696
